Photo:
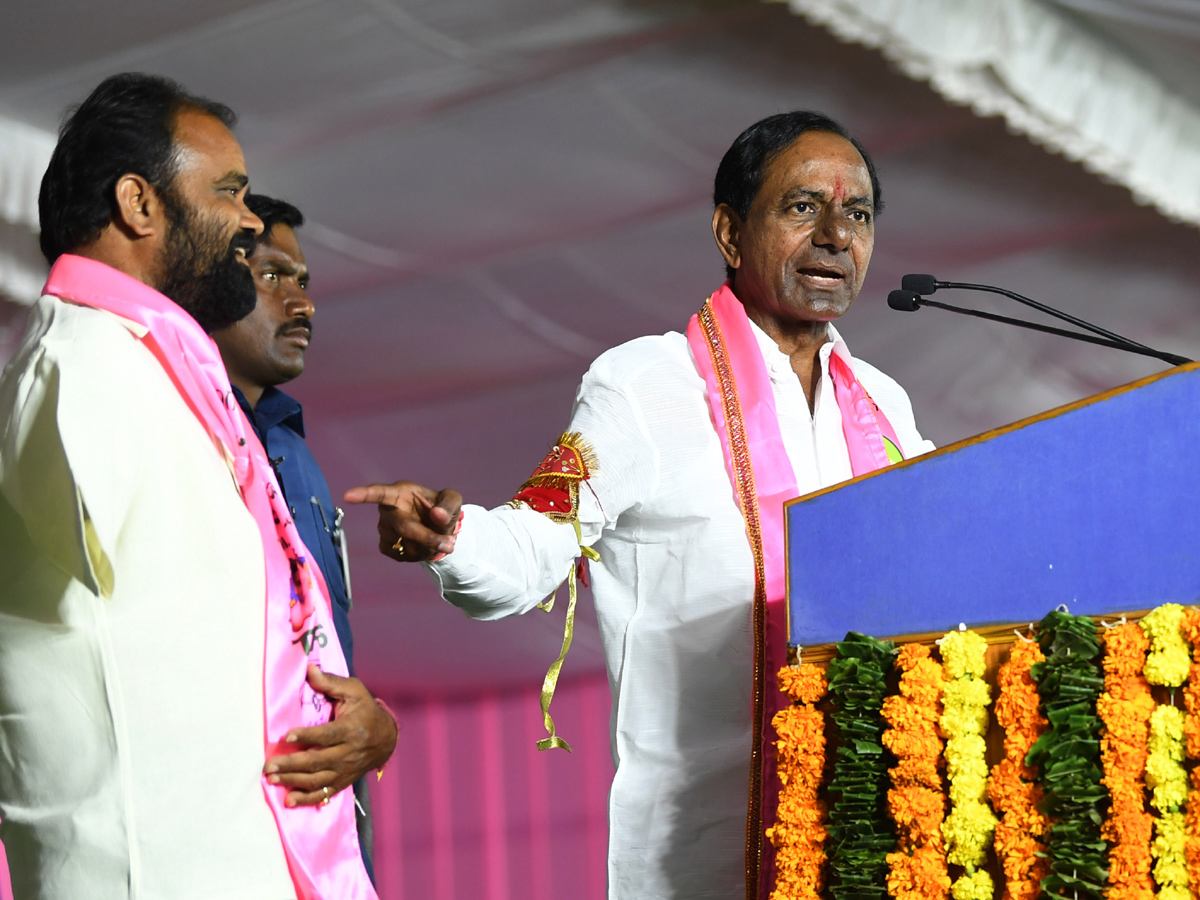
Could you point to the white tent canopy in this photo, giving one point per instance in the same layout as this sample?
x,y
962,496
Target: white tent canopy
x,y
499,191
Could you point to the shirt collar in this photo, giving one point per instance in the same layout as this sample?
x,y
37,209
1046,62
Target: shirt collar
x,y
778,364
277,408
274,408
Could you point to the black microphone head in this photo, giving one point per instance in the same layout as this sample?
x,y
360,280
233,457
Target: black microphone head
x,y
905,301
919,284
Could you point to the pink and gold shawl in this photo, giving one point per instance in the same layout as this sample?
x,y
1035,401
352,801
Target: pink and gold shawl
x,y
320,843
742,404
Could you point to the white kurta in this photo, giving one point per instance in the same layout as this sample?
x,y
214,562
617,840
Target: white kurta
x,y
132,616
673,590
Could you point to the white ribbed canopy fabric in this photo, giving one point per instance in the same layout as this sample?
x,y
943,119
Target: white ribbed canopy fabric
x,y
499,191
1111,85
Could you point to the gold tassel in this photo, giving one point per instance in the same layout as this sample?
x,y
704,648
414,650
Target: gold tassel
x,y
550,682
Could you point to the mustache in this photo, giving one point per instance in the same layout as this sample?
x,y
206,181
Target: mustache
x,y
244,240
293,324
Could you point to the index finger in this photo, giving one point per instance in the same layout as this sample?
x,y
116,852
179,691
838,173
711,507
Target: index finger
x,y
329,734
373,493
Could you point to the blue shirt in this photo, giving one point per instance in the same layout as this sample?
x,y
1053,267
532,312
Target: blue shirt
x,y
279,422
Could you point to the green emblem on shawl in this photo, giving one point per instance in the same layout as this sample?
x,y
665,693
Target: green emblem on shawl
x,y
893,452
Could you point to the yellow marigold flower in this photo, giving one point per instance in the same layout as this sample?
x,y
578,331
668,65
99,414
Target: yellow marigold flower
x,y
968,828
965,707
1164,770
1166,728
965,756
1168,661
976,886
968,833
962,654
969,789
1170,868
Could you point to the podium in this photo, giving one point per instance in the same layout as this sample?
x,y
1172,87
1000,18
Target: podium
x,y
1095,505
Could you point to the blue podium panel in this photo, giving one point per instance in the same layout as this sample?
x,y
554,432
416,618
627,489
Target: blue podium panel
x,y
1095,505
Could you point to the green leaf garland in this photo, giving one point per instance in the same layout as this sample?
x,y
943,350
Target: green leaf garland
x,y
1067,756
861,833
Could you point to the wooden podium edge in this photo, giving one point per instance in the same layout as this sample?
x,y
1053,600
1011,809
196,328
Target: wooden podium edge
x,y
994,634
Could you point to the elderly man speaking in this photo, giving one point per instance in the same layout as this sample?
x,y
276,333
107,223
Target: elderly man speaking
x,y
681,451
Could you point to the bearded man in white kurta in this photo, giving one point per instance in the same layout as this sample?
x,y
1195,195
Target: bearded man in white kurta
x,y
159,619
652,483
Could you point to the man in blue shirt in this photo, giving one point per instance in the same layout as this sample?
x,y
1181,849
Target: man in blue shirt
x,y
261,351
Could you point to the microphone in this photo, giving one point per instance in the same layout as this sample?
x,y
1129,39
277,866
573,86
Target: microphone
x,y
921,284
905,300
913,287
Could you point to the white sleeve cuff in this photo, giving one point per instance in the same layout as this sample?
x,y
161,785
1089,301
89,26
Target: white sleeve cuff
x,y
505,561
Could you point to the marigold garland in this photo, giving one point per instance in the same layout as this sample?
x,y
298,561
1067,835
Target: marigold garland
x,y
968,829
1166,777
917,868
1067,756
860,832
1053,831
1168,661
1167,664
1125,708
1189,626
799,832
1170,869
1012,789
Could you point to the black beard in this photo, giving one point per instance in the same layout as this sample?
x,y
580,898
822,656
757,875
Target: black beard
x,y
202,274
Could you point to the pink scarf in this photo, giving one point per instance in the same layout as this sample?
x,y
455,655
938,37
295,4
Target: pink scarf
x,y
320,843
743,409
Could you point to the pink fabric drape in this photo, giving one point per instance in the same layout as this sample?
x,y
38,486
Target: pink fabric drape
x,y
320,843
742,403
469,810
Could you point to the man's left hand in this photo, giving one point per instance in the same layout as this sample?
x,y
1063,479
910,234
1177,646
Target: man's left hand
x,y
360,737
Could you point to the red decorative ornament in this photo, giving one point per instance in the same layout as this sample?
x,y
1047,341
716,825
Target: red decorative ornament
x,y
553,488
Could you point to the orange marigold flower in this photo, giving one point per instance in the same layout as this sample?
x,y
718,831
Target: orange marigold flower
x,y
1125,708
804,683
799,832
1011,787
917,870
1189,627
1125,650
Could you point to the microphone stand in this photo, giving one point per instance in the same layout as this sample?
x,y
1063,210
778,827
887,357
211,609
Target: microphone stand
x,y
1131,346
1051,311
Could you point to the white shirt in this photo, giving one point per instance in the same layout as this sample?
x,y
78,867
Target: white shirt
x,y
673,590
131,632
